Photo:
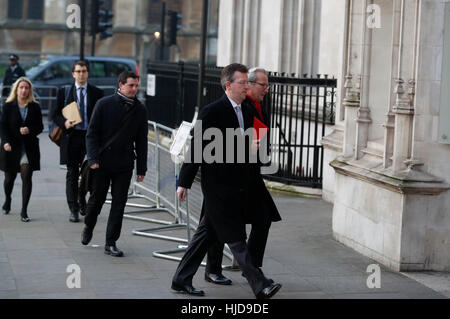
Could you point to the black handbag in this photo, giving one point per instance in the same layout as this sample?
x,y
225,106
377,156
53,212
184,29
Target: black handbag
x,y
86,173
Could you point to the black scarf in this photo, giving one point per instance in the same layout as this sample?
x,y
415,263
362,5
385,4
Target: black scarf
x,y
126,101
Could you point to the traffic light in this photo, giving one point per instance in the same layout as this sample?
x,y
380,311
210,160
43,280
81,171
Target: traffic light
x,y
105,23
101,20
174,25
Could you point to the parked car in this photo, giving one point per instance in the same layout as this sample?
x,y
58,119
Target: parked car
x,y
52,72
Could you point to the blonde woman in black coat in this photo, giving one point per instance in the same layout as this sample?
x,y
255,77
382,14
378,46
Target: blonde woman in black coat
x,y
20,124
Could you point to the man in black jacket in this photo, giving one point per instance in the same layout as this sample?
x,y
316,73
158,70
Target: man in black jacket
x,y
12,73
73,146
262,211
225,182
120,113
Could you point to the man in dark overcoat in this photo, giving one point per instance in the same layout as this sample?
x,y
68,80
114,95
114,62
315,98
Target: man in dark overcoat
x,y
12,73
121,121
225,185
73,144
261,211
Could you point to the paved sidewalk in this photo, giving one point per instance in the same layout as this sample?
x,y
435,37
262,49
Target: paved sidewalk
x,y
301,254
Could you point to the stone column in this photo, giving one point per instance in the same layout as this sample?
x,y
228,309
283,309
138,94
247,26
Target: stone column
x,y
404,112
363,120
389,123
351,104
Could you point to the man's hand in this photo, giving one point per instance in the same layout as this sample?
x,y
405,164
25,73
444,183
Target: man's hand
x,y
68,124
140,178
7,147
94,166
24,130
181,193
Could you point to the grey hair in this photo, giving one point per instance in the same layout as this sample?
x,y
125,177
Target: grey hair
x,y
252,73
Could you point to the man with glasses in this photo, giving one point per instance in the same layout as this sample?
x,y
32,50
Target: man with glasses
x,y
263,210
73,144
225,186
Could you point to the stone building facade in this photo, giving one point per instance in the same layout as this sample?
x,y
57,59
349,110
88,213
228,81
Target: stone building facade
x,y
386,165
135,21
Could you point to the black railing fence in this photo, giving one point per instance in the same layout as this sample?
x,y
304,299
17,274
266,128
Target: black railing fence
x,y
300,109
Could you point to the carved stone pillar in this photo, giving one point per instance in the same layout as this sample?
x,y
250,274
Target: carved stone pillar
x,y
404,113
362,130
351,103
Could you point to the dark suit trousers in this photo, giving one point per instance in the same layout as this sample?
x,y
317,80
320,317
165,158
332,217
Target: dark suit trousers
x,y
76,153
197,249
120,182
256,245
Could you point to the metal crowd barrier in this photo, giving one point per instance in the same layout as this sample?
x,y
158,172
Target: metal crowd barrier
x,y
160,182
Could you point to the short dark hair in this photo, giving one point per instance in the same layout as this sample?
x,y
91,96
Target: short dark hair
x,y
227,74
127,74
81,63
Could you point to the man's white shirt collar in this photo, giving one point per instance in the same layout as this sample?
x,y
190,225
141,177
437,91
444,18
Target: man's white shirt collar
x,y
77,86
233,103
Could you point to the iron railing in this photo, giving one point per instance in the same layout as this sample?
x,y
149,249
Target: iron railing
x,y
300,110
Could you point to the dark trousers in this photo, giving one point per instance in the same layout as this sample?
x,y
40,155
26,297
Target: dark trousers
x,y
256,245
197,249
120,182
76,153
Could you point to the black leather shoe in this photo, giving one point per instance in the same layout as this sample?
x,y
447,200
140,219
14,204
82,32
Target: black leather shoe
x,y
113,251
218,279
86,236
74,217
268,292
189,289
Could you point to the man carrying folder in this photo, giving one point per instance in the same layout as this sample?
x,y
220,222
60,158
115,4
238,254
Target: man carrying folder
x,y
262,209
73,144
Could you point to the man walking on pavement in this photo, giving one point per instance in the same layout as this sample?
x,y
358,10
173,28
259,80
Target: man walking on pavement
x,y
225,187
12,73
117,135
73,144
262,209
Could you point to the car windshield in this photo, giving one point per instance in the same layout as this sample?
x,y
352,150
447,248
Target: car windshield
x,y
36,66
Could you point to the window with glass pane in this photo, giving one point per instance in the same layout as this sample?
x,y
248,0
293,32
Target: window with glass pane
x,y
35,9
115,68
61,70
97,69
15,8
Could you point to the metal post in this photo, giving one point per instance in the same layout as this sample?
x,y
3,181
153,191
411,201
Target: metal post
x,y
201,71
94,23
158,177
163,22
83,27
